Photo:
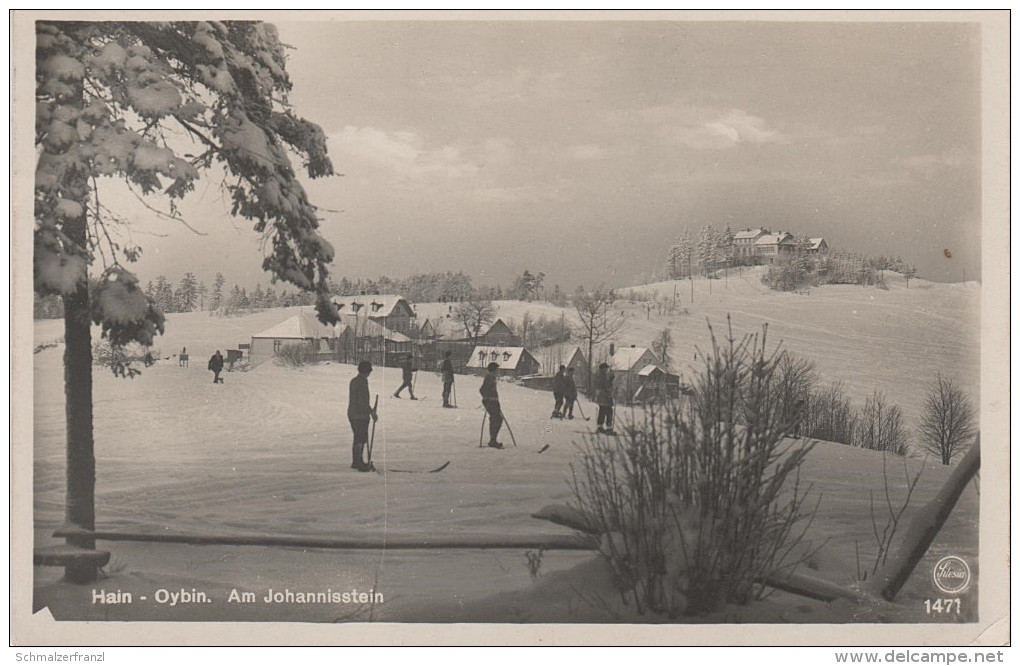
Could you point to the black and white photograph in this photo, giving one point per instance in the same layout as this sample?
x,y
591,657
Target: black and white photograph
x,y
598,327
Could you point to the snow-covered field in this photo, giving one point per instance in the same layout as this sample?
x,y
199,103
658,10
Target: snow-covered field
x,y
268,453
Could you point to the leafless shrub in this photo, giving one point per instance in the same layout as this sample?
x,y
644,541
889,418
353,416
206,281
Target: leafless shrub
x,y
879,426
830,416
885,536
703,497
291,355
947,420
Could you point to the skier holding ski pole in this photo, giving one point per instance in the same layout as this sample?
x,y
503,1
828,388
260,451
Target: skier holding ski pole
x,y
359,412
447,371
407,369
570,395
490,400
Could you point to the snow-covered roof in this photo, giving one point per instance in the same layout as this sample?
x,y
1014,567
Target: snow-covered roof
x,y
302,326
507,357
365,327
774,238
498,323
649,369
815,243
376,305
625,358
749,233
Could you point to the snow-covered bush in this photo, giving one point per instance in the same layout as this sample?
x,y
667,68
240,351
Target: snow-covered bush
x,y
118,358
700,499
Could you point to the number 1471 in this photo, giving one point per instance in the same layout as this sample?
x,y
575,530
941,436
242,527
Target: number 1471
x,y
943,606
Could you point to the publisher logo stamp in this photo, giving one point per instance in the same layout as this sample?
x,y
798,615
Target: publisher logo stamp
x,y
951,574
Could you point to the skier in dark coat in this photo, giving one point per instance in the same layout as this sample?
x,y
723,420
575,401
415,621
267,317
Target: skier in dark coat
x,y
569,394
216,365
408,371
359,412
559,390
604,398
447,372
490,399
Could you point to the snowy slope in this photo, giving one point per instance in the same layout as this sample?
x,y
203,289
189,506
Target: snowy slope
x,y
268,451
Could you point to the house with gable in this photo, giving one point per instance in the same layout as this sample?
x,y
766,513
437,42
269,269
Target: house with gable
x,y
638,375
744,240
389,310
773,246
303,329
513,361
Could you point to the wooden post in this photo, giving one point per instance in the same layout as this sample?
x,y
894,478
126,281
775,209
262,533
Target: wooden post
x,y
927,523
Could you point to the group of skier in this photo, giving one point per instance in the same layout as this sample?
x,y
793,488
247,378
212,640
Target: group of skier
x,y
360,411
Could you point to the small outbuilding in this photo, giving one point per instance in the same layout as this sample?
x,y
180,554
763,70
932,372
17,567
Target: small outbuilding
x,y
303,329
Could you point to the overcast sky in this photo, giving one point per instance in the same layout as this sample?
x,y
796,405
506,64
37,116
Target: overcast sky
x,y
582,149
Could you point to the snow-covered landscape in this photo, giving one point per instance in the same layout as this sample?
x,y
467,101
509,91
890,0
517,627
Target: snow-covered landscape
x,y
267,453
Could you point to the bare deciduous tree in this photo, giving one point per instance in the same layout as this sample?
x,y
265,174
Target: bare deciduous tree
x,y
947,420
596,319
663,347
474,313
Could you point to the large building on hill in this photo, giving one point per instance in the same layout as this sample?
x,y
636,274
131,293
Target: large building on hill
x,y
763,245
775,245
743,241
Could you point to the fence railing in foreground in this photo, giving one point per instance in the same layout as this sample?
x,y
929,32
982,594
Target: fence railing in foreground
x,y
545,542
923,528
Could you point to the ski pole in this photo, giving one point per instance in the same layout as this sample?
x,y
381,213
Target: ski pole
x,y
481,435
371,440
581,411
454,393
508,428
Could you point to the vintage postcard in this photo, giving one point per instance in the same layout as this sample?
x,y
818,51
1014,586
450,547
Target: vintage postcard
x,y
593,328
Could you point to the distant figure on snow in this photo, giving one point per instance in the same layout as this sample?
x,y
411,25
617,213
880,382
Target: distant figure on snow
x,y
216,365
559,389
569,394
604,398
359,412
408,371
490,400
447,372
182,358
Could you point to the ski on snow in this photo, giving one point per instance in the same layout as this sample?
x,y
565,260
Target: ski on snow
x,y
417,471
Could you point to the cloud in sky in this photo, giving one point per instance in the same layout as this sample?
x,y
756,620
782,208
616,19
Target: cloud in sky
x,y
402,152
706,128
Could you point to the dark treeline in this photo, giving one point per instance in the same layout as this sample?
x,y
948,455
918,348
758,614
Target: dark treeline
x,y
190,294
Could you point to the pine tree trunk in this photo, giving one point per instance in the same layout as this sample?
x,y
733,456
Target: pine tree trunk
x,y
81,462
79,510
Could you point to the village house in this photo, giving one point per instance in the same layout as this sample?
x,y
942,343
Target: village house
x,y
638,375
362,338
498,335
389,310
513,361
816,246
